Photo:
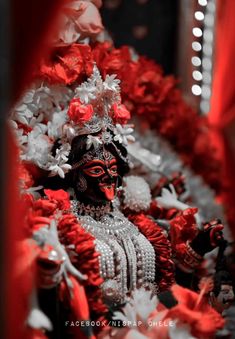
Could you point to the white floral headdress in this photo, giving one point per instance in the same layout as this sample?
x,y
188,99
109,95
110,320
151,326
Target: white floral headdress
x,y
49,117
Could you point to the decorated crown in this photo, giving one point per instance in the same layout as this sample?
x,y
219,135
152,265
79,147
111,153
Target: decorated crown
x,y
49,116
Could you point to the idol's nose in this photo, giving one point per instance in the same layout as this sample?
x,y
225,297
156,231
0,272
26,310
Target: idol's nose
x,y
107,178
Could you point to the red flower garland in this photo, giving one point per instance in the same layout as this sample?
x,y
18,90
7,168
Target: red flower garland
x,y
86,261
71,233
162,247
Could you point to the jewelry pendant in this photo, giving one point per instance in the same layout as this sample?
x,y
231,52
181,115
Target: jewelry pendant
x,y
111,292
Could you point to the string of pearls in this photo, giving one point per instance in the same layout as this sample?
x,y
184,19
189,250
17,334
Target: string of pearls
x,y
127,258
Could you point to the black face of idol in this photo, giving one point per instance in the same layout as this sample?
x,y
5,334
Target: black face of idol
x,y
97,179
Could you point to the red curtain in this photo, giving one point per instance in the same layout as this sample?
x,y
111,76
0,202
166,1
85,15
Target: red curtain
x,y
222,114
32,24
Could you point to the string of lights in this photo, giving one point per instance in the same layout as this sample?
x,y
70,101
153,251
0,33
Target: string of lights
x,y
202,45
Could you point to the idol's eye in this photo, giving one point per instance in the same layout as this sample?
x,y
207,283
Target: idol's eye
x,y
113,169
94,171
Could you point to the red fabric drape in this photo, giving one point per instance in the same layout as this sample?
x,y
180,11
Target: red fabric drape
x,y
222,114
33,23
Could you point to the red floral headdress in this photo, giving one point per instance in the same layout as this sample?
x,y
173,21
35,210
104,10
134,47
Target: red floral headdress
x,y
97,108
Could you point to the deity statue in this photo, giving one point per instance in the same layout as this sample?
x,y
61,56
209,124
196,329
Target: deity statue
x,y
103,235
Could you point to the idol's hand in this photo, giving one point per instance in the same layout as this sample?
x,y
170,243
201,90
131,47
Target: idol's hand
x,y
169,199
209,238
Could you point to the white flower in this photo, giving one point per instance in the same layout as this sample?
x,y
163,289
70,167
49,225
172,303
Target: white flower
x,y
69,132
37,121
60,96
58,164
41,99
111,83
59,169
33,191
88,90
13,124
86,93
93,141
95,88
63,152
55,126
22,113
21,137
144,303
38,147
123,134
141,305
34,101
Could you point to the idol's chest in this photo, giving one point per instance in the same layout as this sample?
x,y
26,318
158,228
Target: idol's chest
x,y
127,258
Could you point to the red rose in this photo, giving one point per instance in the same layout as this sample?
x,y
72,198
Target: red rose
x,y
60,196
78,112
120,113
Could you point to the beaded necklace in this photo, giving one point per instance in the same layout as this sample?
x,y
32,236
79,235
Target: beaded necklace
x,y
127,258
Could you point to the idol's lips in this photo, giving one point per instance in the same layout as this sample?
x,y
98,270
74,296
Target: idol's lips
x,y
108,189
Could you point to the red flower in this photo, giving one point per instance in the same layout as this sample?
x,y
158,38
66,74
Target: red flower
x,y
202,318
110,60
56,195
25,177
67,64
78,112
120,113
60,197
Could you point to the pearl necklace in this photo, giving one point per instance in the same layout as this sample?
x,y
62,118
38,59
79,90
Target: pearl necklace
x,y
127,258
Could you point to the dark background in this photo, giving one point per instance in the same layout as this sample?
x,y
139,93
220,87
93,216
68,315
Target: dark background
x,y
150,26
